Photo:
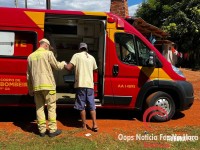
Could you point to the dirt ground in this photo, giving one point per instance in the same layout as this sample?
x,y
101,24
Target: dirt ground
x,y
109,122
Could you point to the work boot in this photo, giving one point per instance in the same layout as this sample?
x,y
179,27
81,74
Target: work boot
x,y
56,133
42,134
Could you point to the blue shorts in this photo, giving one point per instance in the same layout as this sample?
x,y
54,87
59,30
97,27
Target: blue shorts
x,y
84,97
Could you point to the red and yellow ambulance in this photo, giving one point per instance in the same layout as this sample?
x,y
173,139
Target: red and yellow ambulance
x,y
132,74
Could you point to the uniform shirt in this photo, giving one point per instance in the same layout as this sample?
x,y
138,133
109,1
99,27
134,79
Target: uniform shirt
x,y
84,64
39,73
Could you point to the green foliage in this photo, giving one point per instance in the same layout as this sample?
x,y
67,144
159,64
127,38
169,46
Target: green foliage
x,y
180,18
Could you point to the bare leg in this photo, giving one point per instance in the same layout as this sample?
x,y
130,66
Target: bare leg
x,y
83,117
93,116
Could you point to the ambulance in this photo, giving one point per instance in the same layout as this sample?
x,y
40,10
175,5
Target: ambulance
x,y
132,74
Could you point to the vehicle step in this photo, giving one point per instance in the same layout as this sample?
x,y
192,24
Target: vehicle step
x,y
68,100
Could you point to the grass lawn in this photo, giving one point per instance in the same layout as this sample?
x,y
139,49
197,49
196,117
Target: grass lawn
x,y
76,139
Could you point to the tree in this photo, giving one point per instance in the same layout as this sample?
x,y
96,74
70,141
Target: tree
x,y
180,18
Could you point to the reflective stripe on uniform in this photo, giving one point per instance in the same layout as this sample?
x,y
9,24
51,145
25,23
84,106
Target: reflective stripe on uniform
x,y
52,92
41,122
52,120
42,86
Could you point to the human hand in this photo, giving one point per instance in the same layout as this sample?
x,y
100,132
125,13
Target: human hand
x,y
31,93
65,66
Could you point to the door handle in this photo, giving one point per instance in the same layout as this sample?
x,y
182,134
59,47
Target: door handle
x,y
115,70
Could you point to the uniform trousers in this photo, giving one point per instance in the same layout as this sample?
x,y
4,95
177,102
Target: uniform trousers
x,y
41,98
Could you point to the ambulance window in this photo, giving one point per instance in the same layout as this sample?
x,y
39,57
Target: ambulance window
x,y
17,43
125,48
143,52
7,43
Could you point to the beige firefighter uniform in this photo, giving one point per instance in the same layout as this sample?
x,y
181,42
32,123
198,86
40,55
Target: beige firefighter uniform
x,y
41,80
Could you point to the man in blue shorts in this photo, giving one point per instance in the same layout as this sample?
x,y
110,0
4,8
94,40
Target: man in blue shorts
x,y
84,65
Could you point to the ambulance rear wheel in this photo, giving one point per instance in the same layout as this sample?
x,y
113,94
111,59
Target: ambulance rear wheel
x,y
165,106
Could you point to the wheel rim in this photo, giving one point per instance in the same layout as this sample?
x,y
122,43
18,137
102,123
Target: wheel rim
x,y
164,103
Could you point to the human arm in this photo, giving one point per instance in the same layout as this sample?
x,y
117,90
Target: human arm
x,y
29,82
54,63
95,68
69,66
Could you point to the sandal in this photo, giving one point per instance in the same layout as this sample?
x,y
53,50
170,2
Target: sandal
x,y
95,129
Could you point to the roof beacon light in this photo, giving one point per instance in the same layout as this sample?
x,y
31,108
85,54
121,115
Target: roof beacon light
x,y
111,20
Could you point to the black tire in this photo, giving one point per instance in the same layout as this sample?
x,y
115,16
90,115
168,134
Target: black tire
x,y
163,100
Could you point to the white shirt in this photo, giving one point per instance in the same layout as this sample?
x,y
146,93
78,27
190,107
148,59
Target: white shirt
x,y
84,64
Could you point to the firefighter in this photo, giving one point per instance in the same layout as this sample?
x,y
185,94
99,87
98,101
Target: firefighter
x,y
42,86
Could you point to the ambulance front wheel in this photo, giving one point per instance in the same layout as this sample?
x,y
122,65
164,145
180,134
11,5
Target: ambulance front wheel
x,y
160,107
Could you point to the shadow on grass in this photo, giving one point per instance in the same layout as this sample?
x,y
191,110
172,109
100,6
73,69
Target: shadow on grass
x,y
27,126
69,117
23,117
12,114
